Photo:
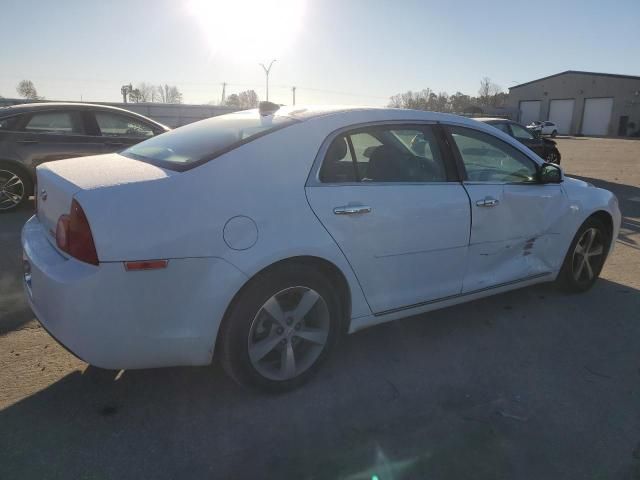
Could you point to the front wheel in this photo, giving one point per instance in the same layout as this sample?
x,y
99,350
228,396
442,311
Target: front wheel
x,y
15,187
553,156
554,133
281,328
586,256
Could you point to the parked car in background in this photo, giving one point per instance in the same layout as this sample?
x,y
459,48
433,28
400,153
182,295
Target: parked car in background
x,y
35,133
545,148
544,128
266,234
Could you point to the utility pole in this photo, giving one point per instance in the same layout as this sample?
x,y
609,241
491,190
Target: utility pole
x,y
293,90
266,72
224,89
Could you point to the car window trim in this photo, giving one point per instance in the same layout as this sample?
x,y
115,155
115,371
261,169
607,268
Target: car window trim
x,y
460,163
313,179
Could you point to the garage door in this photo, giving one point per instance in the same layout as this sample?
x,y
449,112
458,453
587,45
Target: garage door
x,y
561,113
597,116
529,111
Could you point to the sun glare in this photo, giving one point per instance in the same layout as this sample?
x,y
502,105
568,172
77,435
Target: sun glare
x,y
248,30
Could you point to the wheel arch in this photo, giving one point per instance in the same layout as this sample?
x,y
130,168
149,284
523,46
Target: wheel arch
x,y
326,267
19,166
606,218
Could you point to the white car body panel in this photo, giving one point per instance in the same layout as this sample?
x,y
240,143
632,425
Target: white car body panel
x,y
222,222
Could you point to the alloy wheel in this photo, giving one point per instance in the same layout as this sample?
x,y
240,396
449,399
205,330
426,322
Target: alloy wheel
x,y
552,157
289,332
12,190
588,255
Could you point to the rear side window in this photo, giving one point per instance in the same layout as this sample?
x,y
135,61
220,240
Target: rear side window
x,y
61,123
201,141
9,123
384,154
116,125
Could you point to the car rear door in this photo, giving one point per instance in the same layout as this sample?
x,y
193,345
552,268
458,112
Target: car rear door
x,y
389,196
119,131
49,135
516,221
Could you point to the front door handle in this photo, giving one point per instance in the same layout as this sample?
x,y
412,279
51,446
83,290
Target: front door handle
x,y
351,210
28,141
114,144
488,202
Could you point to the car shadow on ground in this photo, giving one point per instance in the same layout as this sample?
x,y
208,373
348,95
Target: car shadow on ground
x,y
520,385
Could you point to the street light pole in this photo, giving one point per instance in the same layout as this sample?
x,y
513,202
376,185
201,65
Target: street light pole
x,y
266,72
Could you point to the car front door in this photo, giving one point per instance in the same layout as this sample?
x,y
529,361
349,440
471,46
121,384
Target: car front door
x,y
516,221
120,131
53,135
389,197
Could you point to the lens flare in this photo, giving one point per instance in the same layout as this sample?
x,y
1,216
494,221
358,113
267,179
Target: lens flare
x,y
248,30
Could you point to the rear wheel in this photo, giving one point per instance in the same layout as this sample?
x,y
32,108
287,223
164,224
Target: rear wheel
x,y
280,329
586,256
554,133
15,187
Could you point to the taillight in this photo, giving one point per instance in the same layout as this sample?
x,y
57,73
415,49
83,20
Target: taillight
x,y
73,235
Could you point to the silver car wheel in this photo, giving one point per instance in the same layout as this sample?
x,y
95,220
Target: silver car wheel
x,y
289,333
587,255
12,190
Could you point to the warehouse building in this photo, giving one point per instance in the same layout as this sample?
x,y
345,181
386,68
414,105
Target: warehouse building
x,y
581,103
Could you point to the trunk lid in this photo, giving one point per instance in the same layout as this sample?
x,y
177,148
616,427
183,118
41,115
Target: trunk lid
x,y
59,181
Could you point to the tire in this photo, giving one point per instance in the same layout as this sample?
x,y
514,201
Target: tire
x,y
249,330
15,187
576,276
553,156
554,133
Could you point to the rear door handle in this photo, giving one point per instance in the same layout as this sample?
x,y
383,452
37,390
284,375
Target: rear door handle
x,y
351,210
488,202
114,144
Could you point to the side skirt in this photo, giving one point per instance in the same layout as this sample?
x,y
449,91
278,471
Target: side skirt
x,y
410,310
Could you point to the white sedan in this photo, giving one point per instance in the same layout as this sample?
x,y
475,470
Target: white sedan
x,y
544,128
262,236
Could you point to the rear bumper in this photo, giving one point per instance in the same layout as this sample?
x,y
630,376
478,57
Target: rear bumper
x,y
116,319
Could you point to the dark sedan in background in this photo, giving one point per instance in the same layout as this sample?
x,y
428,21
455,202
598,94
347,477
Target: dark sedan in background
x,y
35,133
545,148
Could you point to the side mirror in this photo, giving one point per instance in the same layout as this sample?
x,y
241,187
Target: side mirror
x,y
550,173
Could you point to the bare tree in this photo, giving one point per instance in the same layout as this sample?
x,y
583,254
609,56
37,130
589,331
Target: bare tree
x,y
488,92
243,100
168,94
27,89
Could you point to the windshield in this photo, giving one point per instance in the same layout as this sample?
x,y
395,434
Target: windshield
x,y
196,143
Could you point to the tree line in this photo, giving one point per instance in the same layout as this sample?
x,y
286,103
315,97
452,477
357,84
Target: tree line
x,y
489,95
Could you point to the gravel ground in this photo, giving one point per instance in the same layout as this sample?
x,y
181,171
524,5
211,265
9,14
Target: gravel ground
x,y
529,384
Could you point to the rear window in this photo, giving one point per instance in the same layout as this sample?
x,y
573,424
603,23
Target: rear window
x,y
199,142
8,123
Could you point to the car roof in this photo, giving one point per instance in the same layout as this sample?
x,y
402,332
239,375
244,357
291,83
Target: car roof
x,y
37,106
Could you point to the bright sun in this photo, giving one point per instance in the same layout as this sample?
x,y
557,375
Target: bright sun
x,y
248,30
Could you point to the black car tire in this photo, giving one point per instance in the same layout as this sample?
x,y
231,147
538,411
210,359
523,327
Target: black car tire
x,y
553,156
570,277
16,182
235,333
554,133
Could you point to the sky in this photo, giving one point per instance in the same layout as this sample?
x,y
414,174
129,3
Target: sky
x,y
334,51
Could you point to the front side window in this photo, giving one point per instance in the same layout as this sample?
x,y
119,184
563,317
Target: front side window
x,y
61,123
489,159
116,125
384,154
520,133
198,142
